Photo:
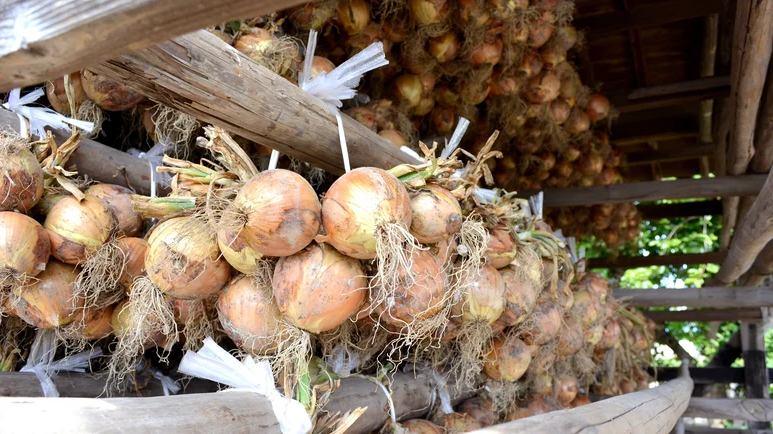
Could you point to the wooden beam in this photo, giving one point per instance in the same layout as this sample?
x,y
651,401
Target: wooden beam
x,y
634,40
746,185
202,76
659,137
660,102
739,409
646,261
679,210
41,40
682,87
698,297
763,133
757,381
694,429
707,375
708,62
647,16
78,385
762,267
657,156
705,315
650,411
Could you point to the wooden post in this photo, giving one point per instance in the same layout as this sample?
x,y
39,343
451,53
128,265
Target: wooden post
x,y
646,261
763,133
716,297
705,315
755,369
202,76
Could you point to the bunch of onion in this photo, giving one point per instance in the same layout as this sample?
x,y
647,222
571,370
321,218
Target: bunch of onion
x,y
353,15
279,54
480,409
25,251
49,301
109,95
21,186
78,228
312,15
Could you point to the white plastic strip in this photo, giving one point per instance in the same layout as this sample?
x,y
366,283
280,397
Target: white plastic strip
x,y
38,118
274,160
456,138
412,153
155,157
535,202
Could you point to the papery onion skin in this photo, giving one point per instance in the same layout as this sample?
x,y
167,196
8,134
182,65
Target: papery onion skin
x,y
249,316
422,300
426,12
57,95
78,229
579,401
321,64
134,250
508,359
567,389
97,323
548,324
25,245
317,289
543,88
485,298
49,301
354,16
394,137
408,89
436,214
357,203
421,426
21,184
460,422
598,107
118,199
481,410
520,296
109,95
183,259
445,47
121,326
501,248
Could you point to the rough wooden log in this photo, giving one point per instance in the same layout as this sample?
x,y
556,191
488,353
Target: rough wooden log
x,y
719,297
708,375
694,429
76,385
738,409
743,209
729,220
671,89
646,261
658,156
647,16
44,39
99,162
762,267
706,315
763,132
708,62
201,75
757,381
624,105
678,210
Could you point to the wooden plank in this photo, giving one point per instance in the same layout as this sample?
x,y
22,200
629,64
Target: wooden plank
x,y
678,210
763,133
660,102
762,266
708,375
634,40
647,16
201,75
671,89
746,185
757,381
658,137
698,297
651,411
708,62
657,156
693,429
44,39
706,315
646,261
99,162
737,409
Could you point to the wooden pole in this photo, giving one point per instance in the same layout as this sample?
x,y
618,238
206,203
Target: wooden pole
x,y
646,261
647,16
44,39
719,297
763,133
762,266
760,410
706,82
658,156
706,315
679,210
202,76
708,62
755,370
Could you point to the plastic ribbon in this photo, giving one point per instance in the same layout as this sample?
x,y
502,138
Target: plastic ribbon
x,y
41,361
216,364
411,152
535,203
340,83
169,386
456,138
438,383
38,118
154,157
343,362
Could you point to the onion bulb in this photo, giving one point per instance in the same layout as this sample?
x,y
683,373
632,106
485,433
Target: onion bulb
x,y
97,323
277,54
50,300
394,29
118,199
610,338
442,119
552,56
57,96
408,90
543,88
508,359
577,122
424,107
363,115
21,183
317,289
480,409
484,299
436,214
505,84
310,16
321,64
521,291
426,12
24,246
109,95
501,248
579,401
183,259
394,137
471,12
531,65
570,339
487,53
541,384
78,229
445,47
559,111
446,96
249,316
134,250
459,423
474,92
540,31
421,426
566,36
544,324
586,308
567,389
591,164
354,16
598,107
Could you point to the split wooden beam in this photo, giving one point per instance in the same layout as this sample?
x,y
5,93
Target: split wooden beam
x,y
705,315
202,76
719,297
660,155
679,210
763,132
646,261
759,410
41,40
647,16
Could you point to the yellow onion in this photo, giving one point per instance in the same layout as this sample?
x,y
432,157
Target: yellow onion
x,y
321,64
501,248
442,119
445,47
78,229
394,29
586,308
552,56
474,92
508,359
358,204
566,37
515,412
263,47
570,90
436,214
57,96
506,9
134,250
541,361
594,334
118,199
541,384
363,115
317,289
354,16
480,409
487,53
109,95
545,324
543,88
310,16
559,111
577,122
520,295
505,84
408,90
421,426
471,12
424,107
446,96
24,245
360,41
567,389
627,386
531,65
540,31
610,338
428,81
598,107
426,12
183,260
97,323
122,325
484,300
579,401
21,183
49,301
394,137
459,423
249,316
570,339
640,342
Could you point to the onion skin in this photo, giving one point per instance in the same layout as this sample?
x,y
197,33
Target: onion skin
x,y
424,107
610,338
354,16
21,185
426,12
310,16
57,96
357,203
570,339
109,95
567,389
442,119
237,252
78,229
118,199
363,115
579,401
540,32
559,111
436,214
459,423
49,301
317,289
520,296
598,107
531,65
98,323
421,426
249,316
488,53
408,89
501,248
543,88
577,122
183,260
502,84
394,137
485,299
508,359
445,47
25,246
548,322
134,250
320,65
479,409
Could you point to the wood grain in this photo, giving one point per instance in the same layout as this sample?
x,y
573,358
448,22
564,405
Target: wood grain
x,y
707,315
647,16
697,297
676,210
738,409
763,133
646,261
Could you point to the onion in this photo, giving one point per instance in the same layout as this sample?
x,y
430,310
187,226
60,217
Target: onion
x,y
567,389
183,260
570,338
424,107
363,115
360,41
421,426
109,95
394,29
487,53
249,316
598,107
425,12
544,325
428,81
310,16
442,119
521,292
569,90
547,160
78,229
563,169
446,96
134,250
118,200
541,384
640,342
552,56
608,176
508,359
471,12
501,248
591,164
594,334
394,137
49,301
506,9
474,92
385,114
484,300
579,401
528,145
97,323
586,308
531,65
502,84
540,31
578,122
627,386
21,183
459,423
57,96
481,410
436,214
123,327
408,90
543,88
566,36
559,111
541,361
354,16
517,413
317,289
614,158
24,246
321,64
445,47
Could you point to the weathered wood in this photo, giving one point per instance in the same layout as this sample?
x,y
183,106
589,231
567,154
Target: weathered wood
x,y
646,261
763,132
657,156
658,137
649,411
752,47
738,409
671,89
746,185
660,102
99,162
762,266
677,210
757,381
706,315
698,297
743,209
729,220
708,62
647,16
693,429
202,76
720,375
44,39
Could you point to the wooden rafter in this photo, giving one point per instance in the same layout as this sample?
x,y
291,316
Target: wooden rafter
x,y
646,261
717,297
677,210
658,155
658,137
647,16
707,315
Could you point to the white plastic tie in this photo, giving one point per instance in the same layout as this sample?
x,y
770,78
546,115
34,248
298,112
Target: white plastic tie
x,y
571,242
484,195
168,385
412,153
456,138
38,118
343,362
274,160
216,364
438,383
154,157
536,203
